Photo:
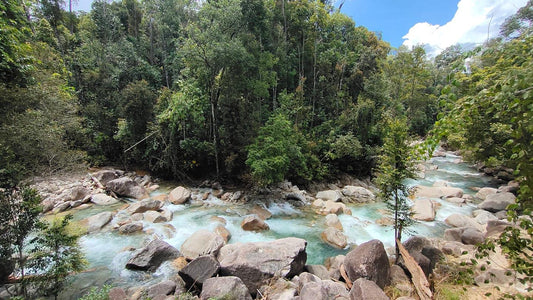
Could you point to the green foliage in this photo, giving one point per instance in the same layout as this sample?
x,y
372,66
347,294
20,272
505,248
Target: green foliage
x,y
395,166
97,293
55,256
276,153
19,211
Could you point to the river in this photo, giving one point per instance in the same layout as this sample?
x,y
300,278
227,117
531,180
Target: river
x,y
107,252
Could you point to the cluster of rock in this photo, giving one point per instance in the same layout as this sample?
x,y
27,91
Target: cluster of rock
x,y
208,268
100,188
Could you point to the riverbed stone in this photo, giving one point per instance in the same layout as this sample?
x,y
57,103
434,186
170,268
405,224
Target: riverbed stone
x,y
357,194
256,263
103,199
98,221
166,287
199,270
460,220
254,223
152,255
127,187
334,237
472,236
61,207
329,195
484,192
201,243
456,200
482,216
144,206
497,202
364,289
369,260
153,216
438,192
130,228
323,290
179,195
332,220
104,176
227,287
281,289
261,212
223,232
318,270
331,207
424,210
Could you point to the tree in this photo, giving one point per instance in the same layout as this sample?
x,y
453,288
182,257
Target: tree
x,y
19,210
276,152
395,166
55,255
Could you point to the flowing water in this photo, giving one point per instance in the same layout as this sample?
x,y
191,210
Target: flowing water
x,y
108,252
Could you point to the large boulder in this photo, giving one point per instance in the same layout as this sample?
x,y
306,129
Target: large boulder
x,y
484,192
254,223
103,199
424,210
130,228
333,221
497,202
156,217
256,263
438,192
223,232
201,243
127,187
98,221
334,237
357,194
460,220
323,290
199,270
331,207
150,257
105,176
163,288
179,195
228,287
369,260
144,206
364,289
472,236
329,195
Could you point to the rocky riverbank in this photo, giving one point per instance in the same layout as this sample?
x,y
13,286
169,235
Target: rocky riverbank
x,y
237,247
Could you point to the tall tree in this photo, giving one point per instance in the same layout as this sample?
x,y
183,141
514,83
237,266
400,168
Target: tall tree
x,y
395,166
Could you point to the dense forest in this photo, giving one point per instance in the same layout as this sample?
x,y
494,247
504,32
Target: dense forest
x,y
246,90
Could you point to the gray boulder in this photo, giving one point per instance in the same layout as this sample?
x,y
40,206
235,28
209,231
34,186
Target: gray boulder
x,y
331,195
163,288
201,243
460,220
334,237
332,220
127,187
364,289
323,290
98,221
199,270
484,192
103,199
130,228
105,176
318,270
144,205
497,202
179,195
438,192
357,194
369,260
424,210
150,257
472,236
228,287
256,263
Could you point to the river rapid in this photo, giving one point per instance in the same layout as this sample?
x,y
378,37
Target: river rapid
x,y
107,252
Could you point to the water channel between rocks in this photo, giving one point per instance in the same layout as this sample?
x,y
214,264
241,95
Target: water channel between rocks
x,y
107,252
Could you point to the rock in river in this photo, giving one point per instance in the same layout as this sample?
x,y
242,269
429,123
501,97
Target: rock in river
x,y
256,263
200,243
369,261
127,187
150,257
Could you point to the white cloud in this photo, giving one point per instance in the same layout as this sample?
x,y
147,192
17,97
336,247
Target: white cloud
x,y
474,21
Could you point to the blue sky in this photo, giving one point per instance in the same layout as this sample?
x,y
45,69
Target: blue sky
x,y
394,18
433,23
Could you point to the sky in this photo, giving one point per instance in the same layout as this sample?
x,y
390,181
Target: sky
x,y
432,23
436,24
